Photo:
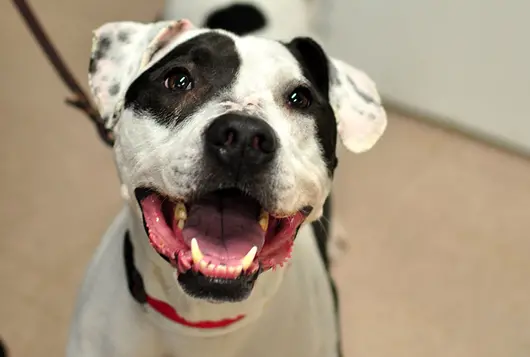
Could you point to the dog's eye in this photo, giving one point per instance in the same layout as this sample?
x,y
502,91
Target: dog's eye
x,y
178,80
300,98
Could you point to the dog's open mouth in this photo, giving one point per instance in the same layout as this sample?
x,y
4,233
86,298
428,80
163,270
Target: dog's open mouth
x,y
224,234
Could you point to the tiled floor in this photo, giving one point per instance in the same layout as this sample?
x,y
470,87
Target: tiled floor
x,y
437,259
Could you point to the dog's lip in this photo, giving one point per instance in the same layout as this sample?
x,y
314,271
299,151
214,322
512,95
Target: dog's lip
x,y
143,192
166,237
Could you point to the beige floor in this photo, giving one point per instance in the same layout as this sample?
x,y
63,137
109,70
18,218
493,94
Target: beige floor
x,y
437,260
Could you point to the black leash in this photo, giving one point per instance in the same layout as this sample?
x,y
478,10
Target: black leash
x,y
79,98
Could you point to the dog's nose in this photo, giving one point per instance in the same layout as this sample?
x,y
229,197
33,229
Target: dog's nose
x,y
239,140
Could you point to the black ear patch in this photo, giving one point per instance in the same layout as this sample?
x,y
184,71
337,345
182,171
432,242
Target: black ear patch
x,y
240,19
313,60
315,66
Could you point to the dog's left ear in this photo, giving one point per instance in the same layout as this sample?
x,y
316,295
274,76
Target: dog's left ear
x,y
120,51
361,118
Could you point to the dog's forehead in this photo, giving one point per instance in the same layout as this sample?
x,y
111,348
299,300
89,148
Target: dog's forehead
x,y
255,53
265,65
176,42
265,52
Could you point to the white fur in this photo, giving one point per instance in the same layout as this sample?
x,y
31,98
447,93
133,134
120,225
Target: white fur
x,y
149,154
290,310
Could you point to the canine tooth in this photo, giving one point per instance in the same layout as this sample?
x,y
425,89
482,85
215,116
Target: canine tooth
x,y
238,269
264,220
249,258
180,211
196,253
180,224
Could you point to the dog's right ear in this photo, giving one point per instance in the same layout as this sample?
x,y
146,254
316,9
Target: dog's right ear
x,y
361,118
120,50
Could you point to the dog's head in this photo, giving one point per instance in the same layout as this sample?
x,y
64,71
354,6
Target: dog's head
x,y
227,143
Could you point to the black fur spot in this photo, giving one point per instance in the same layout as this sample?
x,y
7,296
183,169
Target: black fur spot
x,y
135,283
123,36
92,65
114,89
321,229
102,47
240,19
363,95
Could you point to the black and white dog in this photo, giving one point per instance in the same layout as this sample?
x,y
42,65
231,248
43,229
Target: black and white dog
x,y
226,149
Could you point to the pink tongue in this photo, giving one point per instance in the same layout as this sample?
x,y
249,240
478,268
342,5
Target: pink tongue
x,y
225,226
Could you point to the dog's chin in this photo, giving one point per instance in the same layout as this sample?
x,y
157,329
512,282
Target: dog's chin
x,y
220,242
217,290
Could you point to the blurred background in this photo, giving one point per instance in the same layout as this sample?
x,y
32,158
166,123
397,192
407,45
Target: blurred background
x,y
437,216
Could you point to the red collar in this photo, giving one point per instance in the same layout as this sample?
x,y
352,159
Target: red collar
x,y
169,312
136,287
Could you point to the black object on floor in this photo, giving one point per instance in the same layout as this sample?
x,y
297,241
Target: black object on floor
x,y
3,349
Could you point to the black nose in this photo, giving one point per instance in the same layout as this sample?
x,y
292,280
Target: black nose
x,y
240,141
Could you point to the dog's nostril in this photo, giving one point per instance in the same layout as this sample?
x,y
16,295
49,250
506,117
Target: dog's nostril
x,y
264,144
230,137
256,143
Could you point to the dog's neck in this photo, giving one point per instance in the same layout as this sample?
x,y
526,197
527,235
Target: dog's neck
x,y
160,283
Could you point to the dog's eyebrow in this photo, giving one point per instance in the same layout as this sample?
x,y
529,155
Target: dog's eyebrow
x,y
201,55
297,82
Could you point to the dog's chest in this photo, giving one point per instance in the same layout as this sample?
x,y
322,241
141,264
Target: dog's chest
x,y
298,322
297,333
288,343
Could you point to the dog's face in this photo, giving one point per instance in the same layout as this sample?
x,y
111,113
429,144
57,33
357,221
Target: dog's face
x,y
227,143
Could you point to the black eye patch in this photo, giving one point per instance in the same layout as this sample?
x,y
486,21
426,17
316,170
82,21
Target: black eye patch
x,y
201,56
212,61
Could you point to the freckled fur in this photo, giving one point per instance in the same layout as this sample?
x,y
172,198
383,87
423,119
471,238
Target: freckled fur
x,y
290,311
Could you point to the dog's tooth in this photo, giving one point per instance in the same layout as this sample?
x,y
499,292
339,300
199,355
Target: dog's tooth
x,y
211,268
180,215
264,220
249,258
231,270
180,224
180,211
203,264
221,269
238,270
196,253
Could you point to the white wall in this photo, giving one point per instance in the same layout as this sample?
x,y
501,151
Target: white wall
x,y
467,60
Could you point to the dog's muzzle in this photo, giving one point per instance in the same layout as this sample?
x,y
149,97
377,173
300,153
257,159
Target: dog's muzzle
x,y
225,233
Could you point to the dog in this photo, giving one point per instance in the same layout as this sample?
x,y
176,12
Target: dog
x,y
279,20
225,146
